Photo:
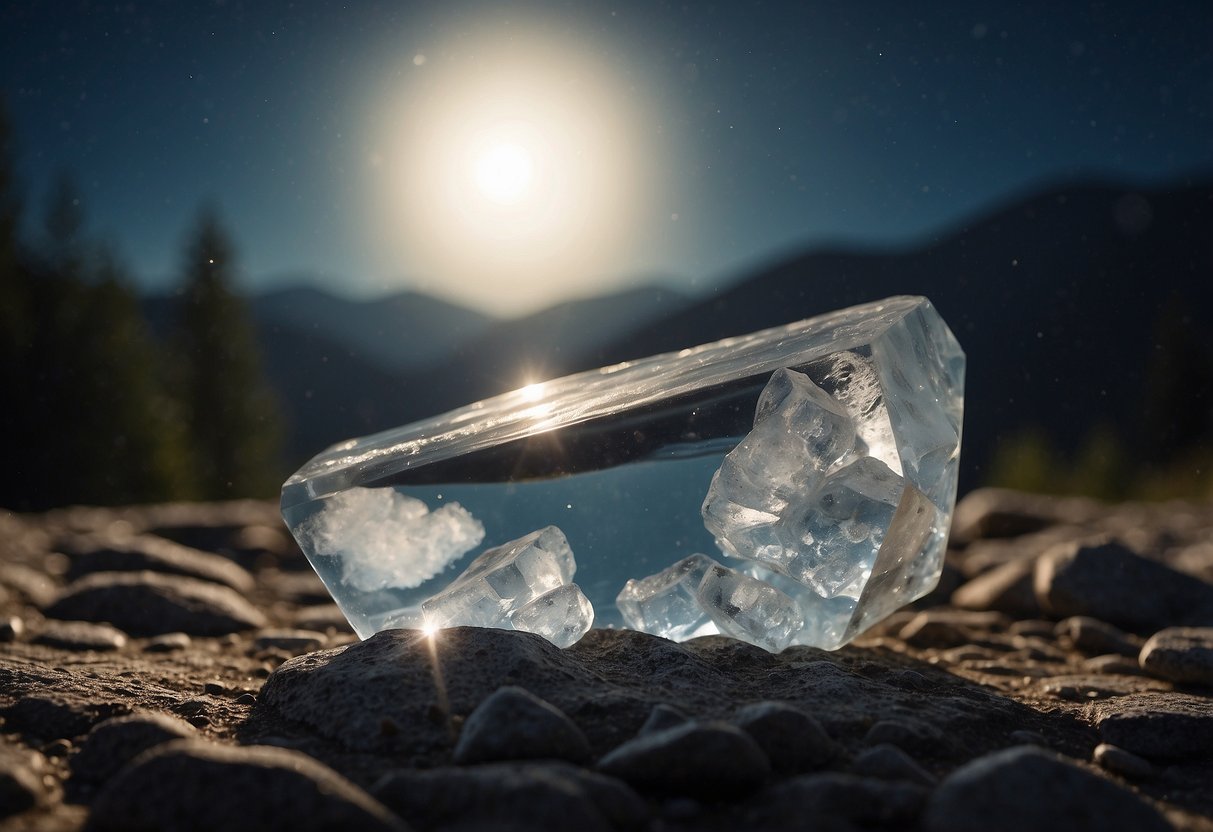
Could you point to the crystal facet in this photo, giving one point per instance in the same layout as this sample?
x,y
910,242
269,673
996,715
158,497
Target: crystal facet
x,y
502,581
820,458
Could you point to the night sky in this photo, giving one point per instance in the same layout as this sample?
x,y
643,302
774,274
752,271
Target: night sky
x,y
676,142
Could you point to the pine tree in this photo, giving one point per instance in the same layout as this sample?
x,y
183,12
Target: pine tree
x,y
231,417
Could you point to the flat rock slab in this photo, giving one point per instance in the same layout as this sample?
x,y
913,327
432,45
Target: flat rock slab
x,y
195,785
1112,583
1158,726
79,635
135,553
150,603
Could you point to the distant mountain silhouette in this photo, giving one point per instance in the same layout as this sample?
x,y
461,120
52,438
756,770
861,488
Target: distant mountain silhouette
x,y
1061,301
1069,304
402,331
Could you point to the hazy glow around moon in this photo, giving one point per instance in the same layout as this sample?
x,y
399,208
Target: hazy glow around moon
x,y
512,173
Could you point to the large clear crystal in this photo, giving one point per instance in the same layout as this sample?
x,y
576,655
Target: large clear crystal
x,y
865,405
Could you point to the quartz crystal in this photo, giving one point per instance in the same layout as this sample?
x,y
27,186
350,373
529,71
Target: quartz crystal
x,y
503,581
819,459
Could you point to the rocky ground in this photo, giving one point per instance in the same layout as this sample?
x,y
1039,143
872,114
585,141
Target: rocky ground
x,y
180,667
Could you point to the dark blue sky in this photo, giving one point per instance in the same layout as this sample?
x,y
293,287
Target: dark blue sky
x,y
753,127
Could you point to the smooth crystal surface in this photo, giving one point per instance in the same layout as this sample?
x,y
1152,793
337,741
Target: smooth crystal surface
x,y
666,604
845,430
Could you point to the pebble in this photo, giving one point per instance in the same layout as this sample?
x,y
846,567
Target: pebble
x,y
1005,588
701,759
907,734
1093,636
548,795
948,628
79,635
1159,726
167,643
1113,663
89,554
54,715
11,628
1028,788
662,717
193,785
292,641
112,744
1180,654
792,740
997,513
33,584
831,795
1110,582
149,603
1123,762
20,786
888,762
514,724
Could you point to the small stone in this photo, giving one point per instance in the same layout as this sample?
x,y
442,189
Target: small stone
x,y
167,643
1123,762
663,717
545,795
1113,663
1091,635
949,628
832,795
513,724
699,759
1110,582
888,762
20,786
1006,588
214,689
112,744
292,641
32,584
246,699
149,603
79,635
792,740
907,734
11,628
1028,788
189,784
1159,726
1181,654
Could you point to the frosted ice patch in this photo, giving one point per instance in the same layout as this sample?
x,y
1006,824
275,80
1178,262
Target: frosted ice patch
x,y
388,540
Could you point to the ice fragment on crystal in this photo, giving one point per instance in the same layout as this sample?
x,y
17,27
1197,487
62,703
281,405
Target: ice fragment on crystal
x,y
561,615
386,539
503,580
666,604
749,609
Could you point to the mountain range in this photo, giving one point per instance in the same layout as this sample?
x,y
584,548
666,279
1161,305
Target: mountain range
x,y
1083,305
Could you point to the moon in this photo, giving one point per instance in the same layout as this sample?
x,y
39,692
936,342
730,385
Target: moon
x,y
503,172
513,174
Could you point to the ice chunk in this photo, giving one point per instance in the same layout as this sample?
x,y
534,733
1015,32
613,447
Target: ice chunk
x,y
386,539
831,544
665,604
503,580
562,615
749,609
